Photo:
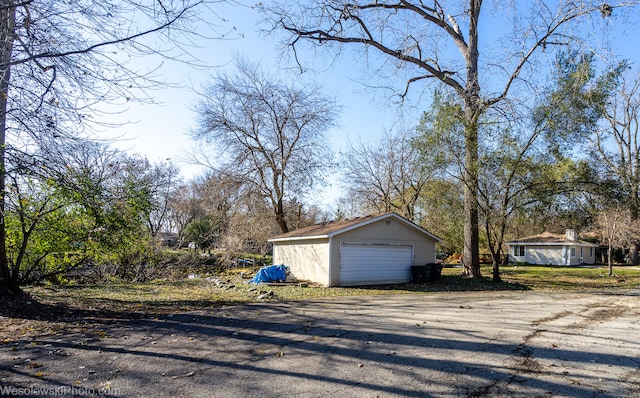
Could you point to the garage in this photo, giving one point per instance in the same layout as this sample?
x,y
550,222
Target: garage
x,y
375,264
367,250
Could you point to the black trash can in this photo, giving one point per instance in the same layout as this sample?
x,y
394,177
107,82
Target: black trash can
x,y
436,272
428,270
418,274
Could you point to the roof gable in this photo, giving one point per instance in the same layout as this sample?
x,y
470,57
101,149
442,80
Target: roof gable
x,y
333,228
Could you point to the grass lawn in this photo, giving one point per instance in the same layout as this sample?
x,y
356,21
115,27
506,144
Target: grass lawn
x,y
230,289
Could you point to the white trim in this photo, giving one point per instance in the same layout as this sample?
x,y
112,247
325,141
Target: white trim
x,y
330,265
311,237
584,244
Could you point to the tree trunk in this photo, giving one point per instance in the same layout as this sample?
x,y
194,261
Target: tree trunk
x,y
8,284
633,255
609,260
471,263
494,249
495,271
495,263
472,111
280,217
635,246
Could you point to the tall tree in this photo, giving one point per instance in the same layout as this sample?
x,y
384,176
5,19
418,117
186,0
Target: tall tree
x,y
616,228
520,166
617,149
269,135
62,62
164,179
442,205
440,41
387,176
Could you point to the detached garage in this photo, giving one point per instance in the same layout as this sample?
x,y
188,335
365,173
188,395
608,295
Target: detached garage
x,y
369,250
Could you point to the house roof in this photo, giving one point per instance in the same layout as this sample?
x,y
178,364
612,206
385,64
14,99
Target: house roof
x,y
332,228
549,239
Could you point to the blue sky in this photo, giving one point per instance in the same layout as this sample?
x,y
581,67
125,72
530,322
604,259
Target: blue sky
x,y
160,131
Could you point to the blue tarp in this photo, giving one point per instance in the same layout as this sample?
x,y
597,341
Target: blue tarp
x,y
272,273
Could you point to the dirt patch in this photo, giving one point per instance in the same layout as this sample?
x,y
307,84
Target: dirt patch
x,y
552,318
26,317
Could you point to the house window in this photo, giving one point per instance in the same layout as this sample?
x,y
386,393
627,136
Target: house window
x,y
591,252
518,251
573,252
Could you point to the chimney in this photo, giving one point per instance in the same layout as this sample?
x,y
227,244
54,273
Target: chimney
x,y
570,234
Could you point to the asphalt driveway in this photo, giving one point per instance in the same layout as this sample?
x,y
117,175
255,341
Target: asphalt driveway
x,y
516,344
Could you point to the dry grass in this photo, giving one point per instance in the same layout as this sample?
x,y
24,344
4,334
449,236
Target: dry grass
x,y
571,278
231,289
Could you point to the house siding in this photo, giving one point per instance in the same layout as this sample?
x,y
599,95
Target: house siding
x,y
544,255
555,254
387,231
589,255
307,259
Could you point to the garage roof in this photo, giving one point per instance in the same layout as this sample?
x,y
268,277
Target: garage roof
x,y
332,228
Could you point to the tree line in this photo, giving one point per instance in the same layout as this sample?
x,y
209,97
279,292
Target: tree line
x,y
532,133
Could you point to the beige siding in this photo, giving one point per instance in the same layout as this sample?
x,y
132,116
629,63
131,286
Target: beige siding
x,y
556,255
574,255
589,255
386,231
544,255
307,260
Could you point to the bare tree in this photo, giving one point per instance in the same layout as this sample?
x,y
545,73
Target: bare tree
x,y
423,39
388,175
616,227
268,134
617,148
164,180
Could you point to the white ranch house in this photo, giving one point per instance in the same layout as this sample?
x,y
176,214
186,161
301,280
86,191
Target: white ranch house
x,y
552,249
362,251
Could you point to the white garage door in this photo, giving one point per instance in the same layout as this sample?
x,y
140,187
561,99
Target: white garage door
x,y
374,264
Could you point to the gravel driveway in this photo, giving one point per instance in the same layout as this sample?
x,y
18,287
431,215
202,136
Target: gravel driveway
x,y
487,344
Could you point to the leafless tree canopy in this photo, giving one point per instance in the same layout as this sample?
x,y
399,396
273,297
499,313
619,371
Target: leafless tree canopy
x,y
616,227
617,147
268,134
68,60
387,176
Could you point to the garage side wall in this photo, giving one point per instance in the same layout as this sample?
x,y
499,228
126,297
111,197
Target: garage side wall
x,y
386,231
308,260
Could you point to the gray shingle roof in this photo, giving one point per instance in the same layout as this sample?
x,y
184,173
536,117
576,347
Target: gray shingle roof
x,y
549,238
326,229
